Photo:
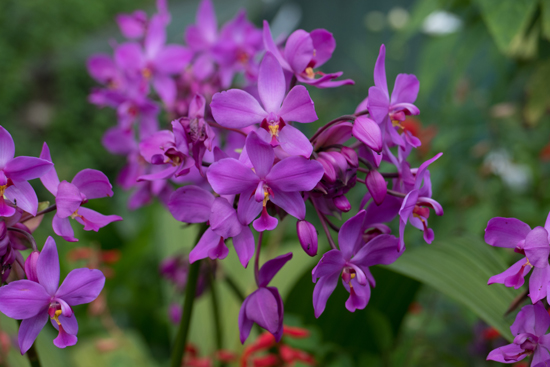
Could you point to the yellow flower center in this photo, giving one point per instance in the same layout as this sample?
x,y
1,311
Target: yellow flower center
x,y
310,73
274,130
56,317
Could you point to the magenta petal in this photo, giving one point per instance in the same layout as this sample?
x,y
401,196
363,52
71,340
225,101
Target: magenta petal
x,y
405,212
49,179
7,147
248,209
22,193
93,183
307,235
423,170
378,104
332,262
262,308
29,330
223,219
538,283
380,73
405,89
62,227
206,20
350,235
271,268
377,186
265,222
381,250
237,109
130,25
155,38
368,132
165,86
532,319
322,291
156,144
229,176
47,267
23,299
295,174
244,245
271,83
93,221
541,357
271,47
290,202
5,209
68,199
210,245
164,174
506,232
117,140
298,106
260,153
81,286
69,323
510,272
26,168
191,204
64,339
507,354
245,324
129,57
294,142
172,59
359,296
324,45
299,50
537,248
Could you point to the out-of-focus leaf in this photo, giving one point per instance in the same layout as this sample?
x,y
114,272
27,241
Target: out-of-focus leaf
x,y
538,100
545,6
507,20
460,269
371,330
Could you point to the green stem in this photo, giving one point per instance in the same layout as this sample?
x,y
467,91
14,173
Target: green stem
x,y
178,350
31,354
218,330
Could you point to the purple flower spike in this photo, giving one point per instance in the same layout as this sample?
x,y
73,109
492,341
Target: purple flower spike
x,y
237,109
264,306
351,263
391,112
69,196
529,330
303,53
280,183
36,301
534,244
14,174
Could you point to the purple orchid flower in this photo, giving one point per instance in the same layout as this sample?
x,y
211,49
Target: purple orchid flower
x,y
352,263
529,329
39,298
202,38
391,112
192,204
168,149
533,243
264,306
69,196
157,61
134,26
14,174
281,183
303,53
237,109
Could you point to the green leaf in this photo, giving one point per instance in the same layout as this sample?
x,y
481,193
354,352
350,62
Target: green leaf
x,y
538,100
460,269
545,7
507,21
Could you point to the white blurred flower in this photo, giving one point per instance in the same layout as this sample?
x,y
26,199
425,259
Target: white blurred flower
x,y
441,22
515,176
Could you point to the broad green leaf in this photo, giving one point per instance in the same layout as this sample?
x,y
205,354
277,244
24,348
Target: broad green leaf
x,y
460,269
507,20
545,6
538,100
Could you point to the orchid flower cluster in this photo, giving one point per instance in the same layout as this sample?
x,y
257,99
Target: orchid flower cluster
x,y
234,156
39,297
532,322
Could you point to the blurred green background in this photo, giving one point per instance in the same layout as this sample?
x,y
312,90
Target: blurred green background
x,y
484,72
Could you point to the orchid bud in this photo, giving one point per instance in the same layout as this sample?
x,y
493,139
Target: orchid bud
x,y
342,203
307,236
377,186
30,266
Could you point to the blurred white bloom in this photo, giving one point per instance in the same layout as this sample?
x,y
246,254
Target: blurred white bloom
x,y
398,17
515,176
441,22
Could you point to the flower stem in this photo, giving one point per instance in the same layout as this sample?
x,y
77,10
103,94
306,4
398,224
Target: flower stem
x,y
51,208
257,259
330,123
26,234
218,331
178,350
324,224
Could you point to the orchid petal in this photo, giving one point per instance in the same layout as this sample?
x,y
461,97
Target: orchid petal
x,y
26,168
405,89
260,153
236,108
349,237
191,204
295,174
271,268
49,179
290,202
506,232
81,286
62,227
93,183
299,50
29,330
298,106
244,245
271,83
23,299
294,142
22,193
7,147
229,176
